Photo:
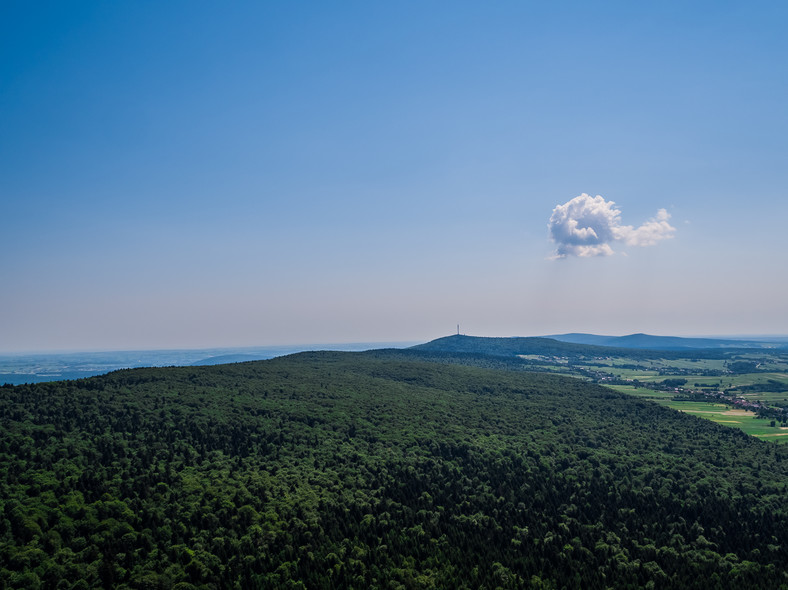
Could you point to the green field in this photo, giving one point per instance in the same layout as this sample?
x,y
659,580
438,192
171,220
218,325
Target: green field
x,y
643,393
657,364
716,412
742,419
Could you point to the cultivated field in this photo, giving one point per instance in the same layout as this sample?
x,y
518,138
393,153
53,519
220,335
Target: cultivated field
x,y
766,385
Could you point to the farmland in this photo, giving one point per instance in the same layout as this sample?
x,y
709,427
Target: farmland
x,y
721,413
755,402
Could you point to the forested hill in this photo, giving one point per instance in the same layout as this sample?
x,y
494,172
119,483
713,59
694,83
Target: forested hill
x,y
363,470
549,347
507,346
668,342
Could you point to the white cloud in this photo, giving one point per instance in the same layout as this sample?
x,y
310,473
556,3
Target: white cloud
x,y
586,226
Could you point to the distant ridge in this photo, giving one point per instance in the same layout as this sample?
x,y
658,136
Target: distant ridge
x,y
508,346
634,346
663,342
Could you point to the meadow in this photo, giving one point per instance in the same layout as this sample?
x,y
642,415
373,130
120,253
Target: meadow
x,y
720,413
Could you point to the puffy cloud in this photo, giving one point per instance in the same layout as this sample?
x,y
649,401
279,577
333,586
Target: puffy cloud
x,y
649,233
586,226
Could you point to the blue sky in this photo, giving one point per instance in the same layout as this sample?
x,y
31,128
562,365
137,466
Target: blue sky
x,y
185,174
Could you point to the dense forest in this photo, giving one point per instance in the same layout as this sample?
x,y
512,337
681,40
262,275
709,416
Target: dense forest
x,y
377,470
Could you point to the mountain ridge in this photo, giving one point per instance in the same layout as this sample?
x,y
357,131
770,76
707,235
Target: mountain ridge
x,y
649,341
523,346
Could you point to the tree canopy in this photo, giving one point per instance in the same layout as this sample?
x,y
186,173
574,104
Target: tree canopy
x,y
377,470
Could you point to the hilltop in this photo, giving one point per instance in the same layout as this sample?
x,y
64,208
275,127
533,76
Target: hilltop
x,y
506,346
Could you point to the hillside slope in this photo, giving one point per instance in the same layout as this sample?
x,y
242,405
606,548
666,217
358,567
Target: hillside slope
x,y
362,470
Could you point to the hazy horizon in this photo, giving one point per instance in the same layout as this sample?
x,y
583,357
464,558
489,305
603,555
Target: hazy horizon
x,y
299,346
188,176
303,346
